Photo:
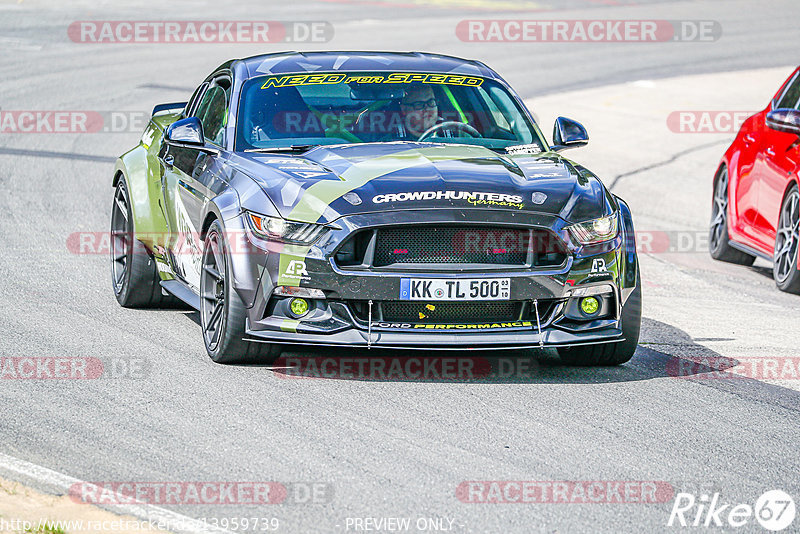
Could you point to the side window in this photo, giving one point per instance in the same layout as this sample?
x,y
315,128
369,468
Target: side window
x,y
212,113
497,115
512,116
791,96
192,105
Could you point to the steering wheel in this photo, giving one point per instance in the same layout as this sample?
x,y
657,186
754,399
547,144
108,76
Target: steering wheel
x,y
450,124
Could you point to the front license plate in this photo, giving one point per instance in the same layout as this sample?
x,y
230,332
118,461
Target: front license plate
x,y
461,289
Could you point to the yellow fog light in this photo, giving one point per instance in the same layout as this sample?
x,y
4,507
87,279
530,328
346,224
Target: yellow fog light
x,y
298,306
590,305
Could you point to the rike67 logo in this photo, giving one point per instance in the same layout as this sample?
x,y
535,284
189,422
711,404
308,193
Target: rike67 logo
x,y
774,511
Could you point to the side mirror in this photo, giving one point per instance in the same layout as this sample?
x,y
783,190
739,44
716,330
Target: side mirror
x,y
185,132
568,133
188,133
784,120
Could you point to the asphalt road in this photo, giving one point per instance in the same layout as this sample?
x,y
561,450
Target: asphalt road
x,y
388,447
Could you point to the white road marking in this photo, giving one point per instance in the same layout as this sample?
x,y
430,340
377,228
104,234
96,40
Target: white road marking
x,y
177,523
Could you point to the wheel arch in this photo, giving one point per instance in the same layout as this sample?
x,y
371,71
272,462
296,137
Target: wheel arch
x,y
731,217
210,217
794,183
120,175
723,165
246,263
220,208
139,170
630,277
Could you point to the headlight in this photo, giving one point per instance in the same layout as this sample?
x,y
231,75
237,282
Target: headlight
x,y
596,231
277,229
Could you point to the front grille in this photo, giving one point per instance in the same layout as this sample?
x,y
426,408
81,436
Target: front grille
x,y
436,245
451,244
477,312
450,312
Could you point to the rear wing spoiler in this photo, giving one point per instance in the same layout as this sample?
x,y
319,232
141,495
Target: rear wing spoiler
x,y
174,106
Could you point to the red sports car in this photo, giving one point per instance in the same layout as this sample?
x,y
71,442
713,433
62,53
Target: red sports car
x,y
755,210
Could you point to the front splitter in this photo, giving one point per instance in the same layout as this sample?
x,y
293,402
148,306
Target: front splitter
x,y
550,338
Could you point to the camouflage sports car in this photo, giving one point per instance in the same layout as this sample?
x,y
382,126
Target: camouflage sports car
x,y
364,199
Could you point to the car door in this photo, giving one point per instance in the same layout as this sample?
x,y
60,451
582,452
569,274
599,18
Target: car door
x,y
778,161
744,185
189,174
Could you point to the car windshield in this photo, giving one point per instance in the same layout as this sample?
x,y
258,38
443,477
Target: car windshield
x,y
298,110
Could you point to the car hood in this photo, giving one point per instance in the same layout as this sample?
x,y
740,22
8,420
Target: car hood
x,y
329,182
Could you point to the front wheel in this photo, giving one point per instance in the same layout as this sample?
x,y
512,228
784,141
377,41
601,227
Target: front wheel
x,y
718,229
606,354
784,266
222,312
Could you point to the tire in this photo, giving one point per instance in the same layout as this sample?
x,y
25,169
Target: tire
x,y
718,228
784,266
134,277
222,313
607,354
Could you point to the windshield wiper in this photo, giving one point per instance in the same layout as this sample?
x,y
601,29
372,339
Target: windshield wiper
x,y
293,148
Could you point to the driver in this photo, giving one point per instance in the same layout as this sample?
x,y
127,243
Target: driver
x,y
419,110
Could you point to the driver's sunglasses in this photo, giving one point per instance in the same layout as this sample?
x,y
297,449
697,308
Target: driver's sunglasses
x,y
419,105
